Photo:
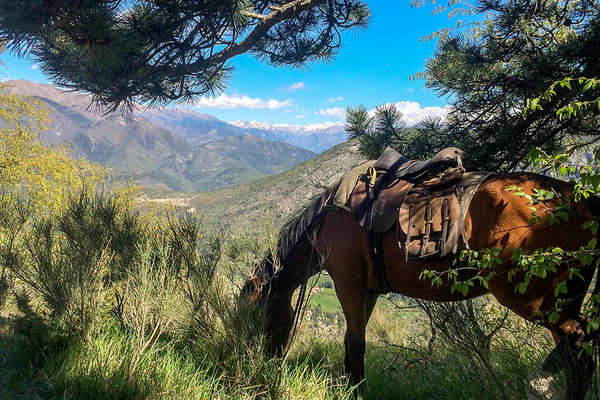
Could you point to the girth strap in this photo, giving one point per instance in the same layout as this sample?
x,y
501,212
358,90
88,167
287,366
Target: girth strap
x,y
376,250
409,231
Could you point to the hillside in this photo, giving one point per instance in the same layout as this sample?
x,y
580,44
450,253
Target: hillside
x,y
281,195
195,127
200,128
159,158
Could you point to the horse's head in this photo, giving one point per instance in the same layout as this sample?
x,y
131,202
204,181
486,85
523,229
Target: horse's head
x,y
251,290
255,288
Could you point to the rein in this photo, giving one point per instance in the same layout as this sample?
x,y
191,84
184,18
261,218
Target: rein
x,y
301,305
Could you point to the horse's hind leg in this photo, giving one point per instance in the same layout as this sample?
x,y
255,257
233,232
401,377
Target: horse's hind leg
x,y
568,354
578,363
579,372
578,367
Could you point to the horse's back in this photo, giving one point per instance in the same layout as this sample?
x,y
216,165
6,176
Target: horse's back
x,y
502,214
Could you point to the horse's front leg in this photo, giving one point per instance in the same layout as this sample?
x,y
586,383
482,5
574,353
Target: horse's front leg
x,y
354,360
357,308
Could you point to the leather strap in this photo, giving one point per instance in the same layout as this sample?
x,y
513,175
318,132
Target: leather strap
x,y
445,223
409,231
428,219
376,250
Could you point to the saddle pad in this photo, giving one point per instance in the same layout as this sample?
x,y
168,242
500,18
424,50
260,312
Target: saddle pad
x,y
347,184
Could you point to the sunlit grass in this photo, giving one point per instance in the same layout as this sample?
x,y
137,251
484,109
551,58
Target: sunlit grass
x,y
168,325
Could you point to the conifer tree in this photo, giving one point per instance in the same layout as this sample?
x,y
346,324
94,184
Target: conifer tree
x,y
375,132
158,51
541,57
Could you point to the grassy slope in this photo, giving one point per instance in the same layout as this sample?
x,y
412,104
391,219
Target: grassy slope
x,y
281,195
37,360
326,300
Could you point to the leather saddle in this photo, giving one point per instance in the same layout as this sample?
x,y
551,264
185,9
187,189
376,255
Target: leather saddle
x,y
422,198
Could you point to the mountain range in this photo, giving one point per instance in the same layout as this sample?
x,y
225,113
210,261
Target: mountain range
x,y
200,128
176,148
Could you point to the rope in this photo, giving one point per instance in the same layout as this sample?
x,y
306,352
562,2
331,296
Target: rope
x,y
301,305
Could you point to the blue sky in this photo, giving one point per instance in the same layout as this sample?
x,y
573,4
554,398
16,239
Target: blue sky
x,y
372,67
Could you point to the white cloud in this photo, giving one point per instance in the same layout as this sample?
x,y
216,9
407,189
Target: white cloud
x,y
300,116
413,112
332,112
35,66
296,86
334,99
237,101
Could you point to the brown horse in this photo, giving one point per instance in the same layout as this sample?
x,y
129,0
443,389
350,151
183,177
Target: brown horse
x,y
329,238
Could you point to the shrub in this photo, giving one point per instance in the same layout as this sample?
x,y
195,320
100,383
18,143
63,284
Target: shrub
x,y
66,259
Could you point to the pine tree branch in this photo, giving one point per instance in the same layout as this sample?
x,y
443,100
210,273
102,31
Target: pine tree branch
x,y
279,14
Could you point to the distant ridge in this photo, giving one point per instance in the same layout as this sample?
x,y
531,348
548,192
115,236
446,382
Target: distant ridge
x,y
277,196
156,157
197,128
200,128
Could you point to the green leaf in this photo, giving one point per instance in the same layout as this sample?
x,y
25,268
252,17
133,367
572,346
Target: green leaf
x,y
484,282
593,325
485,261
560,288
575,271
587,259
592,226
517,255
511,274
522,287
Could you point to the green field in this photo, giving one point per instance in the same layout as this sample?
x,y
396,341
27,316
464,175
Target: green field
x,y
323,297
325,300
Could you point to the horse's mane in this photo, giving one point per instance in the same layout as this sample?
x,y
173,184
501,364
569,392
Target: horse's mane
x,y
308,218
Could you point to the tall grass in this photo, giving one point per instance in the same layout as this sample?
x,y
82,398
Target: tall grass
x,y
108,303
102,301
